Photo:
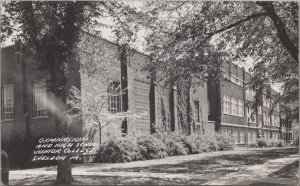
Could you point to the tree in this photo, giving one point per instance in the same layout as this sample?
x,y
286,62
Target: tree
x,y
96,103
264,31
92,102
51,32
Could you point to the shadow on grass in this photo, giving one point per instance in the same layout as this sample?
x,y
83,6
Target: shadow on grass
x,y
116,180
38,180
216,166
289,171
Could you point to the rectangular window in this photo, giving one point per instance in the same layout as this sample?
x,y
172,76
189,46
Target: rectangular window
x,y
265,118
235,136
226,101
254,136
197,111
259,110
251,115
241,108
114,97
39,98
242,136
233,106
264,101
248,95
7,101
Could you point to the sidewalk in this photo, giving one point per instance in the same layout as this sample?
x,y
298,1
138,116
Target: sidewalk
x,y
259,173
205,168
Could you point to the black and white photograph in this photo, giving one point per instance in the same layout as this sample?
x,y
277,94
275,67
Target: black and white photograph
x,y
137,92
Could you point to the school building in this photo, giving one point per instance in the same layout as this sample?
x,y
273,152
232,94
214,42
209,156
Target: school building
x,y
26,107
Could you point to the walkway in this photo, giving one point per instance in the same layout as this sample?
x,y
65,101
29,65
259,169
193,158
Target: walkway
x,y
215,168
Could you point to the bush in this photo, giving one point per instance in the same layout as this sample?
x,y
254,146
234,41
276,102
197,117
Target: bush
x,y
224,141
189,143
117,149
262,142
175,148
150,147
281,143
208,143
160,145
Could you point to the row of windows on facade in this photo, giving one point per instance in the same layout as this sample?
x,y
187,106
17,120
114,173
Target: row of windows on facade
x,y
250,94
273,121
39,100
39,104
235,107
267,102
241,135
250,136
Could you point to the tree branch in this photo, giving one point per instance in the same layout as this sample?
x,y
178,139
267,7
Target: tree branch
x,y
209,35
281,30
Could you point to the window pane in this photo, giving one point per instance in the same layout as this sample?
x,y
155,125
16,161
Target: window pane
x,y
7,101
39,98
114,97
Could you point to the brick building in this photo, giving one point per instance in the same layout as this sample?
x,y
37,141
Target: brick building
x,y
231,108
27,107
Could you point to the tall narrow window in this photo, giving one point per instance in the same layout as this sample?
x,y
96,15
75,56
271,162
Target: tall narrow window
x,y
234,106
7,101
264,101
114,97
226,102
39,98
241,108
197,111
259,110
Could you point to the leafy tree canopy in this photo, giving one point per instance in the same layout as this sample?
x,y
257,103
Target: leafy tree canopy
x,y
193,37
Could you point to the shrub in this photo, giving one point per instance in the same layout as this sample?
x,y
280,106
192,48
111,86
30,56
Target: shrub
x,y
281,143
262,142
175,148
203,145
150,147
205,142
272,142
225,141
117,149
189,143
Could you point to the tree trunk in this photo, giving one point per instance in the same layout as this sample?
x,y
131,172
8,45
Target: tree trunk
x,y
281,30
124,84
64,171
202,124
100,135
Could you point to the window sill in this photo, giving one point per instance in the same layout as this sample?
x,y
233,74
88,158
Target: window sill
x,y
40,117
4,120
233,115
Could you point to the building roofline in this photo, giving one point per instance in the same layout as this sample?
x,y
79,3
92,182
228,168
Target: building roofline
x,y
8,46
111,42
